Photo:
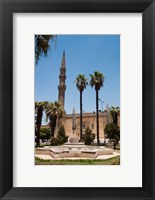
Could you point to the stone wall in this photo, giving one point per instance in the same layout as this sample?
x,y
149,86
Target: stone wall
x,y
89,119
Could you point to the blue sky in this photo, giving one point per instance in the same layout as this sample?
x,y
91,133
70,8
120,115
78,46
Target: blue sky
x,y
84,55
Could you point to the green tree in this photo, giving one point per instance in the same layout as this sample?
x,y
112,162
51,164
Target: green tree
x,y
114,112
42,45
81,84
96,81
39,108
54,112
112,131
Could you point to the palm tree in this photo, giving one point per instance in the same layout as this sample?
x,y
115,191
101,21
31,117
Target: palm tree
x,y
39,108
42,45
97,80
114,112
54,112
81,84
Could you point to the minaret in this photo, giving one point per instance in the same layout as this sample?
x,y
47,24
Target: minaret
x,y
108,114
62,78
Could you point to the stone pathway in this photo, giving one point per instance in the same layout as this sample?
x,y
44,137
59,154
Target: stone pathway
x,y
104,157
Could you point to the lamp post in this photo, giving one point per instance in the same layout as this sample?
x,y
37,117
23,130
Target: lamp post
x,y
102,112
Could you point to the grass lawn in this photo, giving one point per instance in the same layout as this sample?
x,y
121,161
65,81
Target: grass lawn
x,y
110,161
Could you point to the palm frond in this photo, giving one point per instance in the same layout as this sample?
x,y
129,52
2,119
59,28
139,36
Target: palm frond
x,y
81,82
97,80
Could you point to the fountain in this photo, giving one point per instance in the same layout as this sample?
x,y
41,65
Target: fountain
x,y
73,148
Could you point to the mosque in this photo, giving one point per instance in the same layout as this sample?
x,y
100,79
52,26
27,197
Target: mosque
x,y
71,122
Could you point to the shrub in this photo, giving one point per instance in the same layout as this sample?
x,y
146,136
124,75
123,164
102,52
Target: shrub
x,y
62,134
43,136
93,136
44,133
87,139
54,141
61,131
89,136
61,137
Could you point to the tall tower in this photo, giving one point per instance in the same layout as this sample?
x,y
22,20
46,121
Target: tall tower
x,y
62,78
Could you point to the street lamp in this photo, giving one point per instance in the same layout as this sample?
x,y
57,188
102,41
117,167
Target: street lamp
x,y
101,104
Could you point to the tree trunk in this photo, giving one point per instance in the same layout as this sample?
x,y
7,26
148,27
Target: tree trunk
x,y
52,132
38,136
80,116
39,120
52,129
97,121
53,121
